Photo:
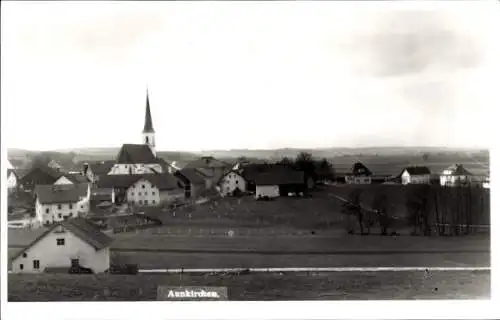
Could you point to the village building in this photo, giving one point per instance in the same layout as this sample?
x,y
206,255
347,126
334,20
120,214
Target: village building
x,y
232,183
359,174
38,175
93,171
155,189
12,180
213,169
456,175
416,175
70,243
275,183
55,203
194,182
69,178
100,195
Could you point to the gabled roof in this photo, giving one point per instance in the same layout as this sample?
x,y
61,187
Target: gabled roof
x,y
359,169
136,153
279,177
41,174
163,181
207,162
417,170
101,167
148,122
75,178
81,228
12,171
457,169
237,172
250,171
61,193
193,175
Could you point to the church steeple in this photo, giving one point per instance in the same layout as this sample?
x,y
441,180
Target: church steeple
x,y
148,133
148,123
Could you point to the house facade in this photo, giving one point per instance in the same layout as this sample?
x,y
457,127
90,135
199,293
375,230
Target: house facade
x,y
359,174
56,203
280,182
230,182
70,243
455,175
194,182
416,175
93,171
213,169
154,190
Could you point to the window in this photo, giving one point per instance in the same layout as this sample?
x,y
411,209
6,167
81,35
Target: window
x,y
154,201
143,186
46,210
75,262
147,140
58,206
59,215
36,264
81,207
131,193
21,266
24,255
140,201
145,201
153,193
145,193
60,241
71,206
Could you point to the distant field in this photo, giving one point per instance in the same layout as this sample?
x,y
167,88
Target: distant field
x,y
290,286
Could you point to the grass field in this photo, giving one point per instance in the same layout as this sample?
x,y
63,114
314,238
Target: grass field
x,y
289,286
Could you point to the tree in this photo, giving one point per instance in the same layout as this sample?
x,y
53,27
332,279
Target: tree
x,y
417,204
352,207
381,206
324,170
286,161
305,162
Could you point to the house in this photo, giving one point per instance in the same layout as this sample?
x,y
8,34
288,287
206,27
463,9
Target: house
x,y
39,175
416,175
70,243
274,183
119,183
93,171
359,174
12,179
193,180
155,189
69,178
456,175
232,182
55,203
212,168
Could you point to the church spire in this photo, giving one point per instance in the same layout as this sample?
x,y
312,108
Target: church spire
x,y
148,123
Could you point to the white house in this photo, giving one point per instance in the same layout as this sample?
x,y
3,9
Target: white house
x,y
73,242
55,203
11,180
416,175
230,182
455,175
155,189
359,174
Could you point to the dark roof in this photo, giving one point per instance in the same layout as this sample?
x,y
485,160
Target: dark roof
x,y
163,181
193,175
41,175
81,228
416,170
9,171
76,178
207,163
148,122
250,171
62,193
458,169
136,153
359,169
279,177
101,167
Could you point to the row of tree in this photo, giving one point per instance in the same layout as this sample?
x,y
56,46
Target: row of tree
x,y
317,169
431,210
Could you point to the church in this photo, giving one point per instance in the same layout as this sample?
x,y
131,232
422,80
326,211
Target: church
x,y
139,158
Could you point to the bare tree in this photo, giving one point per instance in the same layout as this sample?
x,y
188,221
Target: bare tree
x,y
381,206
352,207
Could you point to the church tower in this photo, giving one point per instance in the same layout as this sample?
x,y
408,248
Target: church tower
x,y
148,134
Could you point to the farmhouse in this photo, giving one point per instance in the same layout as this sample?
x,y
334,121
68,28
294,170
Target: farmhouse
x,y
193,180
359,174
416,175
70,243
232,182
12,179
55,203
274,183
38,175
155,189
212,168
455,175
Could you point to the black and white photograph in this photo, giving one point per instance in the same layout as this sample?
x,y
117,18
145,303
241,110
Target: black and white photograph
x,y
248,151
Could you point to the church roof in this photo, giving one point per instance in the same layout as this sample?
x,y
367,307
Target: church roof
x,y
148,122
136,153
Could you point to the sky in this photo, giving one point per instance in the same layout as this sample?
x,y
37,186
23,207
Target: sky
x,y
235,75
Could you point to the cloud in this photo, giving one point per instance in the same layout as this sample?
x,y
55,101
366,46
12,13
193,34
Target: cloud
x,y
408,42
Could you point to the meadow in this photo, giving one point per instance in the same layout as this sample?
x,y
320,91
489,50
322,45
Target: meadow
x,y
263,286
